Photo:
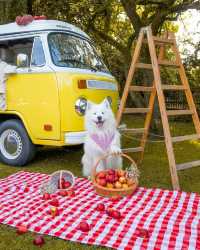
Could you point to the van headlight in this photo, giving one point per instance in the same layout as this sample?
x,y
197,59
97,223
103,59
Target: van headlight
x,y
81,105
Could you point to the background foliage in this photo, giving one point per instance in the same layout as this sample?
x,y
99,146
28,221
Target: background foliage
x,y
113,25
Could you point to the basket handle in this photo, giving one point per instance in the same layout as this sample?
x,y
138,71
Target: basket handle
x,y
105,156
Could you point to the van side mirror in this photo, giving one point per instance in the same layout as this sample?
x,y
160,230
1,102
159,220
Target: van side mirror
x,y
22,61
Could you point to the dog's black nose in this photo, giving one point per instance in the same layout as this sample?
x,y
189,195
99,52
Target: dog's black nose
x,y
99,118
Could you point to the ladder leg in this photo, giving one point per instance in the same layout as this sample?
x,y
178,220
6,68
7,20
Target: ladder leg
x,y
147,124
150,114
130,77
188,92
163,111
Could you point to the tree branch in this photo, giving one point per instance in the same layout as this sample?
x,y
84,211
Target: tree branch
x,y
130,9
110,40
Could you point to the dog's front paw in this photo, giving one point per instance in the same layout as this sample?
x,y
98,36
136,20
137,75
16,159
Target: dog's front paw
x,y
115,150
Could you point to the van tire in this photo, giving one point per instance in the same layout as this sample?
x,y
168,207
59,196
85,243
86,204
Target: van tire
x,y
16,148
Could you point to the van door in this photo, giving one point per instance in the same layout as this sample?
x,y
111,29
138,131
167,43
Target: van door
x,y
33,91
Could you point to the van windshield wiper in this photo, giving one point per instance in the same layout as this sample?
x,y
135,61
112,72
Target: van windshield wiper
x,y
79,62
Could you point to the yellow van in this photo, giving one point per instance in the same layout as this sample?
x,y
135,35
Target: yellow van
x,y
44,101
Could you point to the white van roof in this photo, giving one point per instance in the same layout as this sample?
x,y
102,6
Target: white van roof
x,y
39,25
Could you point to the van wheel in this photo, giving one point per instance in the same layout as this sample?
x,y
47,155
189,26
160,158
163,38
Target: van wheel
x,y
16,147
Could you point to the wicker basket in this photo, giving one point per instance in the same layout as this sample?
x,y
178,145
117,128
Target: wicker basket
x,y
57,177
112,192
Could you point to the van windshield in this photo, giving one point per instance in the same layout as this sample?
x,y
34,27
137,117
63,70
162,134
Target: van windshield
x,y
74,52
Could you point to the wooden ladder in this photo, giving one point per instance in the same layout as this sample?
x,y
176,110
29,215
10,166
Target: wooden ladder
x,y
158,89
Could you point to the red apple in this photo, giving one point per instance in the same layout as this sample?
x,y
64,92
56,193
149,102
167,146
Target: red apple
x,y
22,229
63,193
67,184
38,241
143,233
111,171
102,182
46,196
116,214
84,227
26,189
71,193
101,175
113,213
54,202
110,178
100,207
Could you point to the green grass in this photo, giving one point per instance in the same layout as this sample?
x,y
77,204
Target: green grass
x,y
154,173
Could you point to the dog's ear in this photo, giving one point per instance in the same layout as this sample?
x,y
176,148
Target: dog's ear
x,y
89,105
106,103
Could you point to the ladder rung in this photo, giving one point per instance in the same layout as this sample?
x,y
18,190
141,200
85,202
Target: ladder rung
x,y
133,130
161,40
173,87
179,112
188,165
143,66
141,88
132,150
185,138
168,63
136,110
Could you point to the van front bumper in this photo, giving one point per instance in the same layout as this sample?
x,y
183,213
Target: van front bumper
x,y
74,138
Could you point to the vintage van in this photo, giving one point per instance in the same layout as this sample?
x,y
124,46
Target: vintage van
x,y
58,70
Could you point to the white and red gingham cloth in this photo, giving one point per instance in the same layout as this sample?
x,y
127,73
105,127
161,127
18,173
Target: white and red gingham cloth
x,y
171,218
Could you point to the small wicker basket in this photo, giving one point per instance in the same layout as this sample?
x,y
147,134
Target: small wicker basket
x,y
113,192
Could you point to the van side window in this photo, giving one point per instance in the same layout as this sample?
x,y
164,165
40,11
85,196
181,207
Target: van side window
x,y
38,57
11,48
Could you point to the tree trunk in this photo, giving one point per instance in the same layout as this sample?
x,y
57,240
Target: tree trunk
x,y
29,7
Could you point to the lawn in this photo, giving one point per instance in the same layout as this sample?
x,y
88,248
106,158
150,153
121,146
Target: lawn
x,y
154,173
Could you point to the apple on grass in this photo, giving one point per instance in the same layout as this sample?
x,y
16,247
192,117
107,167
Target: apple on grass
x,y
22,229
38,241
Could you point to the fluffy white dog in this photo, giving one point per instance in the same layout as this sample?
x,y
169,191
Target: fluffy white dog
x,y
102,137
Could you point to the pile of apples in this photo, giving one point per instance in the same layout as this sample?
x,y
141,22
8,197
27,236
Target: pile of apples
x,y
112,178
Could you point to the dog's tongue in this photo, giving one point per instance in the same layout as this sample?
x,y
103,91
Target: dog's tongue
x,y
99,124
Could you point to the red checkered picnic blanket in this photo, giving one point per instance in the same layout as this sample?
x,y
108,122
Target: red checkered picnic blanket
x,y
172,218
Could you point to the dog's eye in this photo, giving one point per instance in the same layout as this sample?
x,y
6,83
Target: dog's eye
x,y
95,113
102,113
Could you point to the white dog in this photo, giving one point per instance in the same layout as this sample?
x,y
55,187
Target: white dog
x,y
102,137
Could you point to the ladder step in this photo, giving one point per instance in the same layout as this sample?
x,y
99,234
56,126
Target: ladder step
x,y
141,88
133,130
188,165
136,110
185,138
160,40
168,63
173,87
143,66
179,112
132,150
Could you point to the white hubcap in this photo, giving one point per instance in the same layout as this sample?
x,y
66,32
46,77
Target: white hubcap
x,y
10,144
